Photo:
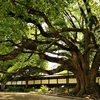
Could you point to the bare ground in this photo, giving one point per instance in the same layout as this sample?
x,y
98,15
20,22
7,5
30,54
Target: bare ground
x,y
31,96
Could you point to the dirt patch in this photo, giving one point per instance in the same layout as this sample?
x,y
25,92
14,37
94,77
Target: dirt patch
x,y
31,96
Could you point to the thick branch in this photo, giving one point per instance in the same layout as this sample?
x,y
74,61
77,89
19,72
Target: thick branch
x,y
11,55
96,62
71,30
69,43
68,66
45,34
50,58
29,44
20,71
33,11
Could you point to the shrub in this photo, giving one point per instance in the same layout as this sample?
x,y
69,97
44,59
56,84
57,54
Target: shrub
x,y
43,89
18,89
13,89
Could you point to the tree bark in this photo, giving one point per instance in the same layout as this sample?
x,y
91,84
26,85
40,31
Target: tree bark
x,y
85,85
3,84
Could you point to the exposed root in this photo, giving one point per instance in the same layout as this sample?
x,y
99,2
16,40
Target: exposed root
x,y
75,90
95,96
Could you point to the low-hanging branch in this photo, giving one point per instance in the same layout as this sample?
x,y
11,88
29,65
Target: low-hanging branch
x,y
34,68
28,44
20,71
11,55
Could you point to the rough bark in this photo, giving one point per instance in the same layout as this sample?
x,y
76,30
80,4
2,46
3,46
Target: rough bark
x,y
84,85
3,84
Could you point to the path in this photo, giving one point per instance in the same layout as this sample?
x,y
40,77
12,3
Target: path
x,y
30,96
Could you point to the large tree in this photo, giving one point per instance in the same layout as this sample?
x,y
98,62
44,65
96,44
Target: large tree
x,y
68,29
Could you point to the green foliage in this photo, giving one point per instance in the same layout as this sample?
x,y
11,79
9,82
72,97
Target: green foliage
x,y
21,62
12,29
58,14
43,89
18,89
5,47
63,72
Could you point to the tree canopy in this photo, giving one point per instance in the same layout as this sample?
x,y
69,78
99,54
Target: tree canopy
x,y
61,31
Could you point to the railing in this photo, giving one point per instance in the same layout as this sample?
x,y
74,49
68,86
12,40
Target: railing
x,y
49,80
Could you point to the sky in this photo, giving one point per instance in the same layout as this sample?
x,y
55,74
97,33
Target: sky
x,y
52,65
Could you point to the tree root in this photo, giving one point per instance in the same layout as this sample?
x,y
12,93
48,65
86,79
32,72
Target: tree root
x,y
95,96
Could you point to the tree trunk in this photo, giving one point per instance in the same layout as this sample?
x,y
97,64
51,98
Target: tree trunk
x,y
84,85
3,84
86,77
26,81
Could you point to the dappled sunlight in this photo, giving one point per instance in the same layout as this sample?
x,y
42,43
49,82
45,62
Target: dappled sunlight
x,y
5,96
30,96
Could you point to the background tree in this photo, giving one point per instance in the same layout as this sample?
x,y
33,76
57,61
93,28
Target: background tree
x,y
23,65
69,29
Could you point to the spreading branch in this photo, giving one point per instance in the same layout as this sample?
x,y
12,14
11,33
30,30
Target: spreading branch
x,y
29,44
11,55
20,71
33,11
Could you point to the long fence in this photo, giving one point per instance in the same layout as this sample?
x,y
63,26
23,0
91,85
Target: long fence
x,y
48,80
